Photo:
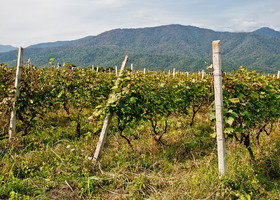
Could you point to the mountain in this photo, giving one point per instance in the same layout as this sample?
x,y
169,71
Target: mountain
x,y
265,31
160,48
6,48
50,44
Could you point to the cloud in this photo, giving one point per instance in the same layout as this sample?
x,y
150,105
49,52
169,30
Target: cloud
x,y
33,21
251,16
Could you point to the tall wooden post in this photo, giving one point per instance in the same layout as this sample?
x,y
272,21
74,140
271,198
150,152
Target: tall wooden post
x,y
174,71
144,71
217,64
107,121
116,68
131,67
278,74
12,128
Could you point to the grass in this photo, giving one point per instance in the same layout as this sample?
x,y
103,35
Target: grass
x,y
53,163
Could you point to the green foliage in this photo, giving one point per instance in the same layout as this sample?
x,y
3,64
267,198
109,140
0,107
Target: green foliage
x,y
52,62
16,196
165,118
7,94
251,102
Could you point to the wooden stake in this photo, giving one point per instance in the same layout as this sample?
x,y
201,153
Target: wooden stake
x,y
29,62
144,70
107,121
202,74
174,71
58,66
131,67
217,64
278,75
12,128
102,136
116,68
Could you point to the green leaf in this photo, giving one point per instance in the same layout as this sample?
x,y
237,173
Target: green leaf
x,y
234,100
229,130
212,116
133,99
116,89
213,135
60,94
96,113
229,120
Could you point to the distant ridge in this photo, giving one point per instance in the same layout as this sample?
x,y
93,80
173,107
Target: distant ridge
x,y
6,48
185,48
265,31
50,44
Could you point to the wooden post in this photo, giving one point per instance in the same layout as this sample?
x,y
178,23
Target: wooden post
x,y
131,67
217,64
202,74
97,68
116,68
92,67
144,70
278,75
58,66
174,71
29,62
12,128
107,121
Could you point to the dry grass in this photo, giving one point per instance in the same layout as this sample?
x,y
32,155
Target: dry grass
x,y
53,163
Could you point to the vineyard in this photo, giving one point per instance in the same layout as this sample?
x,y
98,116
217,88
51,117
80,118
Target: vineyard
x,y
161,143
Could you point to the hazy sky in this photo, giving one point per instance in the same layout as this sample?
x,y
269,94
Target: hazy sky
x,y
26,22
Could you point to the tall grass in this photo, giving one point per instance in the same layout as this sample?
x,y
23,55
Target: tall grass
x,y
54,163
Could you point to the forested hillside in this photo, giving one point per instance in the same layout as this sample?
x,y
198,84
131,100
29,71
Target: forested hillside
x,y
160,48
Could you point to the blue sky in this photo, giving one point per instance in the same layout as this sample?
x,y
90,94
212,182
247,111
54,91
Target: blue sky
x,y
26,22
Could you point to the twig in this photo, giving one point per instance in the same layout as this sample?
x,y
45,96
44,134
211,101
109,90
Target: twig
x,y
99,166
69,186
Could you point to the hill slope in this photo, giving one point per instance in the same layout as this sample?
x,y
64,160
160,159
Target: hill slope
x,y
265,31
6,48
162,48
50,44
